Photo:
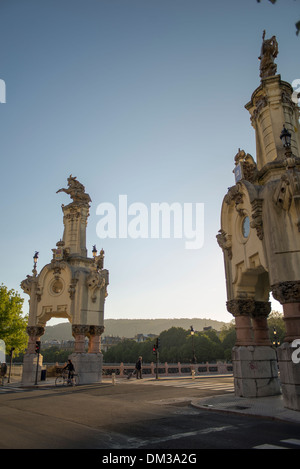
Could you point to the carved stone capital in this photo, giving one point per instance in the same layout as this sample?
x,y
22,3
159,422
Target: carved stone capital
x,y
262,309
287,292
95,330
241,307
35,331
79,329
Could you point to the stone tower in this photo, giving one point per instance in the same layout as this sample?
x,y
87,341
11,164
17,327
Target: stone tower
x,y
260,238
71,286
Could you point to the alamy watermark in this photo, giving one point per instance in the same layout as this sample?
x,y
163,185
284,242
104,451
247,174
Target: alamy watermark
x,y
2,91
159,220
296,92
296,353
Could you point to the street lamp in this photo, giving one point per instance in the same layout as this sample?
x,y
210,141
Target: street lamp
x,y
94,251
285,137
193,345
276,342
35,259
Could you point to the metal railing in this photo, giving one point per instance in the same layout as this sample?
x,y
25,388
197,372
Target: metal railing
x,y
168,369
122,370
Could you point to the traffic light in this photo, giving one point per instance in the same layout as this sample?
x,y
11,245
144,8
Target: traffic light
x,y
37,346
154,348
158,343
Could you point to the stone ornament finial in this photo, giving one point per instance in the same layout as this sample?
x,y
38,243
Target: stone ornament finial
x,y
269,51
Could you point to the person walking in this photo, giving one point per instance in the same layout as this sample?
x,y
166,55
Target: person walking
x,y
138,367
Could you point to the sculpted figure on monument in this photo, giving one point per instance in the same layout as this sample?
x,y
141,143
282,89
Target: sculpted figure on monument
x,y
76,190
269,51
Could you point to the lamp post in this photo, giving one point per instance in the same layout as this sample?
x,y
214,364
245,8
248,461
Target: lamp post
x,y
11,359
193,345
94,251
275,342
35,259
285,137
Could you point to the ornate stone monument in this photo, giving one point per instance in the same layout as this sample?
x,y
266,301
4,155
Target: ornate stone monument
x,y
260,239
71,286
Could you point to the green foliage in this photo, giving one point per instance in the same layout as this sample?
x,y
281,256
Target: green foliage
x,y
176,345
12,321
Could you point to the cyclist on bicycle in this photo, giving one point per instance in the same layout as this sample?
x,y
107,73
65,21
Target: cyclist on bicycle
x,y
71,370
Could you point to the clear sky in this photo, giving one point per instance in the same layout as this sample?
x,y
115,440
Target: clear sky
x,y
143,98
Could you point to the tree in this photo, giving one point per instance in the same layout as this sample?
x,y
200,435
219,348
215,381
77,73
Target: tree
x,y
228,339
12,321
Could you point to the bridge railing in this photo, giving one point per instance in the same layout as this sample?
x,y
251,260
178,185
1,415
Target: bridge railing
x,y
168,369
122,370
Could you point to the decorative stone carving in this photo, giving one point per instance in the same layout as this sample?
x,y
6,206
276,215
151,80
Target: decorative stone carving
x,y
269,51
224,242
234,195
95,330
35,331
257,220
27,284
96,280
76,190
247,164
72,287
240,307
79,329
260,104
287,292
262,309
287,190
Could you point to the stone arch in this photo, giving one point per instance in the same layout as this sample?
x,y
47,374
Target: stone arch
x,y
247,277
54,293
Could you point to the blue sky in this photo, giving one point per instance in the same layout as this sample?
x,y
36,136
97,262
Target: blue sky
x,y
135,97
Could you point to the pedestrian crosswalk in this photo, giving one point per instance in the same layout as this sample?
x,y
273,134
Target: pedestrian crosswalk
x,y
8,389
290,443
192,384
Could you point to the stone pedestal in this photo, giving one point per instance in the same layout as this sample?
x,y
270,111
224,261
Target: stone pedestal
x,y
289,376
88,366
255,371
30,367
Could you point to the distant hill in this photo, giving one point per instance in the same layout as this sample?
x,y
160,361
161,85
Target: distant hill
x,y
128,328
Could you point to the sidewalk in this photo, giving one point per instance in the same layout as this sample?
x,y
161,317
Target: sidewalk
x,y
268,407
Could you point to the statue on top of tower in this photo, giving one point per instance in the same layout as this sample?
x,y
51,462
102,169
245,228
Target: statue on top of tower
x,y
76,190
269,51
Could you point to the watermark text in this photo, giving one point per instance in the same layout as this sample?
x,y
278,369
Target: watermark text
x,y
159,221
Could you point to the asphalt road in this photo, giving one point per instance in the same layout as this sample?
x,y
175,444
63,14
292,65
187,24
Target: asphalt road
x,y
132,415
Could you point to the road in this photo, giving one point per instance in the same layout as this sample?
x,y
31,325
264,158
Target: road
x,y
133,415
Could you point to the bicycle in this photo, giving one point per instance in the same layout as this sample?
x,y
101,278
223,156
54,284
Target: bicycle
x,y
64,380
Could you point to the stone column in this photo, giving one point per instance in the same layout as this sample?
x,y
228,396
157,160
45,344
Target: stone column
x,y
288,294
260,323
30,365
254,360
241,310
87,365
79,333
95,339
